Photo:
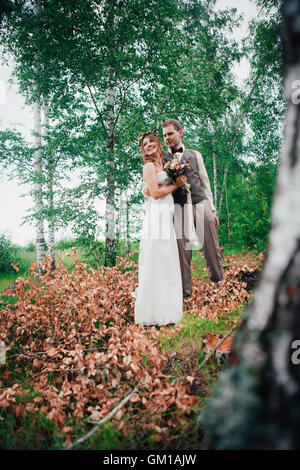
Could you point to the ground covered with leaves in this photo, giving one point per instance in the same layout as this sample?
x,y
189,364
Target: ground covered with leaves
x,y
73,353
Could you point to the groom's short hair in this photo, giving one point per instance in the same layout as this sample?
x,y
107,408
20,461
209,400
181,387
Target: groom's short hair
x,y
172,122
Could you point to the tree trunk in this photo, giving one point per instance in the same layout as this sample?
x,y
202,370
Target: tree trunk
x,y
38,177
228,216
38,187
110,242
215,178
257,402
214,155
127,241
50,178
223,187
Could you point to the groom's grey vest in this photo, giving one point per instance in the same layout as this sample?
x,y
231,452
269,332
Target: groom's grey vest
x,y
193,178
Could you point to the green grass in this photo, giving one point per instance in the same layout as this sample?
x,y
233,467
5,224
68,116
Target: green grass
x,y
34,431
191,336
66,256
192,333
6,279
26,258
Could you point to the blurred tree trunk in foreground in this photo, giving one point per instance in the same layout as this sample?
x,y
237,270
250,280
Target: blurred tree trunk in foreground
x,y
257,402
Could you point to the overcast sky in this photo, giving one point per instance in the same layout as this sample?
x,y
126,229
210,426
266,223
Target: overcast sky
x,y
15,114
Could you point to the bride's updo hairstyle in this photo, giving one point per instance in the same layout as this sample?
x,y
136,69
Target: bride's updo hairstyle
x,y
153,138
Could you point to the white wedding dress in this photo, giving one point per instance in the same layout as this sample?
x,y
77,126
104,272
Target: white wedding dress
x,y
159,292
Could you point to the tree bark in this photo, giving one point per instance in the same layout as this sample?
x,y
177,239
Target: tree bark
x,y
215,178
228,216
214,155
38,187
127,241
110,242
50,180
223,186
38,177
256,405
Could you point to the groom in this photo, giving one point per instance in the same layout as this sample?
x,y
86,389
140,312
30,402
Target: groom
x,y
202,201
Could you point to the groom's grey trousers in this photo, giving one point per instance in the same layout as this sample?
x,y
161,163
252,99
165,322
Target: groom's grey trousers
x,y
207,235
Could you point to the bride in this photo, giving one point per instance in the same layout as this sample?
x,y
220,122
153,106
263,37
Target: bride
x,y
159,292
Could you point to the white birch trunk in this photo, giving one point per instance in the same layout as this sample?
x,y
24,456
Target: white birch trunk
x,y
214,165
127,241
215,179
38,177
223,187
228,216
110,241
50,176
38,186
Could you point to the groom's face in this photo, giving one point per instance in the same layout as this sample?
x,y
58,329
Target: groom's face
x,y
172,137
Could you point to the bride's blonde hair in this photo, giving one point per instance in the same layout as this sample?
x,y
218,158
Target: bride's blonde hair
x,y
153,137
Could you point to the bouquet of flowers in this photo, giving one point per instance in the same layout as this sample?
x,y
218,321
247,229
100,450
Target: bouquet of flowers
x,y
175,167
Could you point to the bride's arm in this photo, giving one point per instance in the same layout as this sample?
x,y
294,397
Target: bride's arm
x,y
146,191
150,179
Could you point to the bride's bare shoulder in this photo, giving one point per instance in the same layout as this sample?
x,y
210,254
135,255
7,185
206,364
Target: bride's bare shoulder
x,y
148,167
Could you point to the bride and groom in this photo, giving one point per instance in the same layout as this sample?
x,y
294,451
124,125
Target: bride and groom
x,y
173,222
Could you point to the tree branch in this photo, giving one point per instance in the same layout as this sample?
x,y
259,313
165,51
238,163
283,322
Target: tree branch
x,y
97,109
104,420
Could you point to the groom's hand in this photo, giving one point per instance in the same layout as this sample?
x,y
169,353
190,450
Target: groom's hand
x,y
181,181
216,219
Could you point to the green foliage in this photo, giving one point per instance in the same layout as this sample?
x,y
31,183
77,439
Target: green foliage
x,y
7,253
36,432
30,247
65,243
250,201
15,151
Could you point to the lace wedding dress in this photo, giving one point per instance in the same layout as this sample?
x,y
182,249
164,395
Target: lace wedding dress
x,y
159,292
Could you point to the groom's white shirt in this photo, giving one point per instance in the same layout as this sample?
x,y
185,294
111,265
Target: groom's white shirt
x,y
203,177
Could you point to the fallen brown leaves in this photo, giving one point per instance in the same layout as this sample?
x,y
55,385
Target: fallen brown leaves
x,y
218,300
212,342
73,338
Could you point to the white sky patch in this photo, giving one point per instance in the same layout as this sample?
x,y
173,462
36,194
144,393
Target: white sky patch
x,y
2,92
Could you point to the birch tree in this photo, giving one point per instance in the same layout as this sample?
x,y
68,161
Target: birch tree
x,y
38,166
38,187
50,169
110,251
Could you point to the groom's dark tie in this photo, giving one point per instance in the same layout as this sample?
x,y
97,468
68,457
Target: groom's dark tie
x,y
180,150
